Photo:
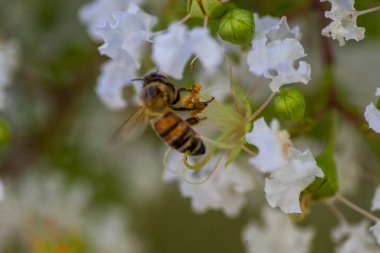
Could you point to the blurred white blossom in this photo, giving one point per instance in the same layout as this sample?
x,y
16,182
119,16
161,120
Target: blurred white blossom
x,y
354,239
372,114
173,48
114,77
277,234
292,170
9,62
375,229
125,36
225,190
99,12
46,203
376,200
276,51
343,26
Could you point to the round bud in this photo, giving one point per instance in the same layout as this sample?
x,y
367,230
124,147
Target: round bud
x,y
237,26
289,103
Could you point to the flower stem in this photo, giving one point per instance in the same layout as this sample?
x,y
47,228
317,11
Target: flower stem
x,y
338,214
356,208
246,149
262,107
358,13
205,21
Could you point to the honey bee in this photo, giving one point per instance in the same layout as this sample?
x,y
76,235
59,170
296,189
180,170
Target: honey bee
x,y
159,97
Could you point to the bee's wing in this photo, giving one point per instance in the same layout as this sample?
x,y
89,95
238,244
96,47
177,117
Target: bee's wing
x,y
132,127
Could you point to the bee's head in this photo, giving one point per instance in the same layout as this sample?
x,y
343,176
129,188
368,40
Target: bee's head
x,y
155,77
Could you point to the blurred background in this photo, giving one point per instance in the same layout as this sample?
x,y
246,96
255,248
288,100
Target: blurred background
x,y
68,190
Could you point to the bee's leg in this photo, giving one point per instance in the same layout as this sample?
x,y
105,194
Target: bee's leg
x,y
178,95
182,109
194,120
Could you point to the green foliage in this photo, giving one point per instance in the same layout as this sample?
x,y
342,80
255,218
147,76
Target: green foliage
x,y
289,103
378,104
5,132
237,26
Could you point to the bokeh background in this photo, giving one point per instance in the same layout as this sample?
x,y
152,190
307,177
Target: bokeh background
x,y
56,157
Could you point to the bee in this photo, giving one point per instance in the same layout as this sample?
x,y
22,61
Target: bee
x,y
159,97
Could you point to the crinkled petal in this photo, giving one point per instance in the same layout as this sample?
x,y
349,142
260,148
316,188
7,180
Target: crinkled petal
x,y
277,234
276,54
372,115
210,53
172,50
284,186
343,26
272,144
115,75
126,36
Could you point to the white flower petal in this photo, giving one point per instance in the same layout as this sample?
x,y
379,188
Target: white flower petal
x,y
115,75
372,115
278,234
276,52
343,26
210,53
126,36
172,50
99,12
272,144
284,186
375,229
376,200
225,190
355,238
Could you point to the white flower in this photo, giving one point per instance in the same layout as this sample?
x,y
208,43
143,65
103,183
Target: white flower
x,y
126,36
343,26
172,49
284,186
375,229
276,52
292,171
2,194
225,190
372,114
9,62
376,200
272,144
99,12
354,239
114,77
278,234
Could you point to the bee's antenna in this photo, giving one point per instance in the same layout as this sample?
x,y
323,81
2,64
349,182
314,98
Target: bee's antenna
x,y
158,68
137,79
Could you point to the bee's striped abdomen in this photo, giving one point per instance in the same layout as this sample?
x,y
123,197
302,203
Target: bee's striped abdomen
x,y
178,134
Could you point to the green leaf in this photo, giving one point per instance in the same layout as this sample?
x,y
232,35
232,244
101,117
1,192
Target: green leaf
x,y
194,9
237,26
289,103
328,185
5,132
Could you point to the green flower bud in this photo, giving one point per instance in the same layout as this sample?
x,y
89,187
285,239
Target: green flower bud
x,y
289,103
194,9
378,104
237,26
211,8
